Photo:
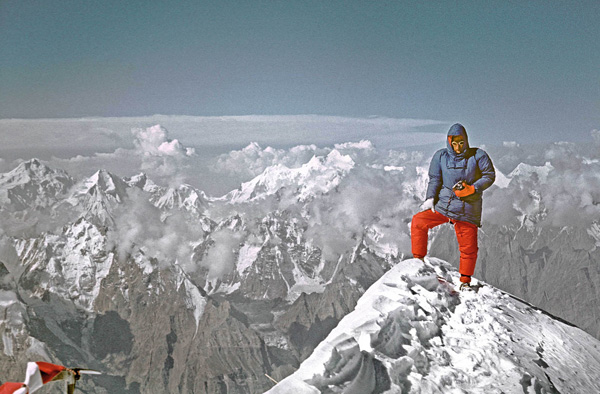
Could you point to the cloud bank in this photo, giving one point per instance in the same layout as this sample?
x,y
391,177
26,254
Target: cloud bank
x,y
81,146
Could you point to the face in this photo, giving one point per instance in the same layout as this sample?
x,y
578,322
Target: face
x,y
458,144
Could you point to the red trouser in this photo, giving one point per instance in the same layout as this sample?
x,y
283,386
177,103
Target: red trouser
x,y
466,234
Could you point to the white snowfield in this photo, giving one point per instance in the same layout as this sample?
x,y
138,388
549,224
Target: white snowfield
x,y
410,333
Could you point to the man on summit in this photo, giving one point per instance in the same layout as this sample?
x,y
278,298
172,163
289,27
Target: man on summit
x,y
458,175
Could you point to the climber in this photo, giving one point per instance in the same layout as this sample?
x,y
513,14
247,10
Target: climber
x,y
458,175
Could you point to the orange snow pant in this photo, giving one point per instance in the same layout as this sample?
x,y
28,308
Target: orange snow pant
x,y
466,234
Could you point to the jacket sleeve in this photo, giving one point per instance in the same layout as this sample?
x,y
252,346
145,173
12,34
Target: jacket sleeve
x,y
488,174
435,177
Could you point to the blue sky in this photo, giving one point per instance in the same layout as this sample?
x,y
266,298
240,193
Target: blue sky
x,y
508,70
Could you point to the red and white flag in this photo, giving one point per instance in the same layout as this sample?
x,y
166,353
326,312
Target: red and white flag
x,y
14,388
36,375
39,373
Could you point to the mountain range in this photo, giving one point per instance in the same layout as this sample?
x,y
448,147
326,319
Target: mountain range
x,y
166,289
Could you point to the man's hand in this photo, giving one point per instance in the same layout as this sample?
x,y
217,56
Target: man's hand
x,y
467,190
428,204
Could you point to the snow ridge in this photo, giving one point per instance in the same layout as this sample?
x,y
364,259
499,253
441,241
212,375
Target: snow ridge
x,y
410,334
318,176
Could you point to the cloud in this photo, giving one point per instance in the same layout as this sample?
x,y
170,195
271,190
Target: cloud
x,y
253,159
121,162
224,132
226,147
221,257
153,141
8,255
59,136
329,130
568,196
140,225
378,196
385,188
108,133
109,143
163,159
363,144
368,197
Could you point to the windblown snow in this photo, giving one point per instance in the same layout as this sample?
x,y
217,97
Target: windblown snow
x,y
411,333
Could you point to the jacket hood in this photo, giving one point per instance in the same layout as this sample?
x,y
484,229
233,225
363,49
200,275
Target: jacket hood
x,y
456,130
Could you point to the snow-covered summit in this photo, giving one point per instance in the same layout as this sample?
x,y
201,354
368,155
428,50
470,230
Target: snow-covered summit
x,y
184,197
103,183
320,175
33,184
524,170
29,170
72,264
411,333
97,195
141,181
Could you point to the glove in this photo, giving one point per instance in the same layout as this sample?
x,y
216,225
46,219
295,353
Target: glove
x,y
428,204
466,191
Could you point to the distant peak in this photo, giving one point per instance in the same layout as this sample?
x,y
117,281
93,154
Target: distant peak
x,y
34,168
141,177
32,164
252,147
101,175
318,176
106,182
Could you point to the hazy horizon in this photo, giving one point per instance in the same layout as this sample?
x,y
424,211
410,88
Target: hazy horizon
x,y
217,154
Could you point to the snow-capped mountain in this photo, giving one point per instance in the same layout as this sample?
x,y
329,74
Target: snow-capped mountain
x,y
412,333
526,170
184,197
318,176
141,181
102,185
88,291
32,185
98,195
71,265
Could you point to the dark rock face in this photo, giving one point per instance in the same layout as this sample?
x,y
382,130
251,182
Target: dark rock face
x,y
110,334
312,316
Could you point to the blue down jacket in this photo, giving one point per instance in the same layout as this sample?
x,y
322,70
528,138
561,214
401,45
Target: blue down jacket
x,y
473,165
